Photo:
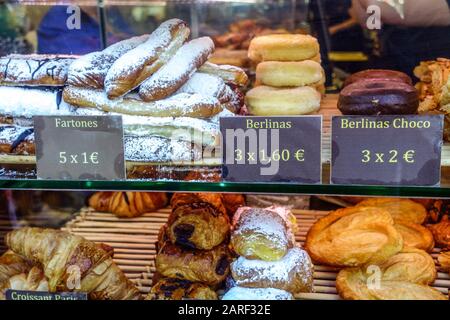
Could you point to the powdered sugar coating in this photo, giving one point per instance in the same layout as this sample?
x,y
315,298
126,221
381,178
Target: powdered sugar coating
x,y
10,134
175,73
207,85
241,293
294,272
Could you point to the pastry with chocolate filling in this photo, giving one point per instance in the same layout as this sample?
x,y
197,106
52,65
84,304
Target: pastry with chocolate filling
x,y
176,289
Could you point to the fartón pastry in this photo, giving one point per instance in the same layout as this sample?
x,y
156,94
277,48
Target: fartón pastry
x,y
128,204
132,68
198,220
260,234
16,140
441,233
283,47
207,85
289,74
34,280
399,209
90,70
64,256
177,71
34,70
374,97
176,289
210,267
354,237
378,74
414,235
268,101
180,105
405,275
227,73
293,273
241,293
12,264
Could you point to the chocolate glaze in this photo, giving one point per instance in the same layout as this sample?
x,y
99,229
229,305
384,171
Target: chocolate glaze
x,y
379,74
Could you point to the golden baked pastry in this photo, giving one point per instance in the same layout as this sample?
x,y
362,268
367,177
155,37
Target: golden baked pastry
x,y
232,201
415,235
12,264
34,280
400,209
270,101
353,237
444,261
198,220
283,47
441,233
176,289
128,204
290,73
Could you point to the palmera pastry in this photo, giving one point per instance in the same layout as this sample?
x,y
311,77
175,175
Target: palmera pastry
x,y
128,204
180,105
293,273
415,235
268,101
444,261
135,66
441,233
198,220
289,74
260,234
379,74
241,293
34,280
210,267
228,73
12,264
399,209
354,237
283,47
90,70
61,254
178,69
176,289
34,70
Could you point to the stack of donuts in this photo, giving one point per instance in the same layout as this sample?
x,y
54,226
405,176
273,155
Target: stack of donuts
x,y
169,96
270,266
289,77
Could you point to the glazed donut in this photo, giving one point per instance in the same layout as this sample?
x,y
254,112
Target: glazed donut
x,y
289,74
269,101
283,47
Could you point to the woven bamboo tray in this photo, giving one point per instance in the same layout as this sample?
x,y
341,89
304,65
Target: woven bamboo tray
x,y
134,240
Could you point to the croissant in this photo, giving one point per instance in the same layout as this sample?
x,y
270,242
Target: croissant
x,y
34,280
71,263
12,264
128,204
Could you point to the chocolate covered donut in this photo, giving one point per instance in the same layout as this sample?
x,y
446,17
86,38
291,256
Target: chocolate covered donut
x,y
374,97
378,74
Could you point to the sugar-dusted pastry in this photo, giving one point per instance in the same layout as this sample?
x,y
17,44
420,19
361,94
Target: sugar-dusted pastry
x,y
441,233
260,234
283,47
177,70
399,209
293,273
128,204
16,140
179,105
289,74
198,220
135,66
207,85
228,73
354,237
90,70
271,101
415,235
241,293
35,70
176,289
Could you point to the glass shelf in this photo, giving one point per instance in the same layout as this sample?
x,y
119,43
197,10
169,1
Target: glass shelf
x,y
273,188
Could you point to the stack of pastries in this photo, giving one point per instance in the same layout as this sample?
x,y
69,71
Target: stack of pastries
x,y
169,96
56,261
270,266
193,257
289,77
381,248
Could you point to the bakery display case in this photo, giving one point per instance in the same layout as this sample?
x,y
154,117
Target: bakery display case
x,y
118,179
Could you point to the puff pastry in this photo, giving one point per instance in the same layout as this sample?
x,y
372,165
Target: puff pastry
x,y
400,209
354,237
441,233
444,261
176,289
12,264
414,235
34,280
198,220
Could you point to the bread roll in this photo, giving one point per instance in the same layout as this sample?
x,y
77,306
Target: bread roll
x,y
289,74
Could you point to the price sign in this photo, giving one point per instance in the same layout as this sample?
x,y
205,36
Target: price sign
x,y
272,149
42,296
79,147
387,150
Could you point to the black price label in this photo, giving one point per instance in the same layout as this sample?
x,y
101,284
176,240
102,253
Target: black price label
x,y
387,150
42,296
79,147
272,149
